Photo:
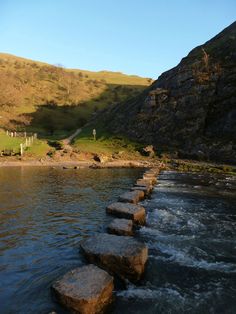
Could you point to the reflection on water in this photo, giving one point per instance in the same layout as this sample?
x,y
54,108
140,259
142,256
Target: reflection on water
x,y
44,214
191,235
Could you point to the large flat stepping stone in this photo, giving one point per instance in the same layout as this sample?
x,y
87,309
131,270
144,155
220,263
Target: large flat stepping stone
x,y
144,181
85,290
152,179
152,172
121,227
119,255
132,197
144,185
147,190
134,212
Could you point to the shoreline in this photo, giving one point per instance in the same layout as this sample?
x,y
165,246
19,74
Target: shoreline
x,y
172,164
78,164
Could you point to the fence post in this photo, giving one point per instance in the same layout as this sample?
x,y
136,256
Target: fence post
x,y
21,149
25,134
7,133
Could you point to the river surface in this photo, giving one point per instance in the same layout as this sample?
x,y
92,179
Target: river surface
x,y
191,235
190,232
44,214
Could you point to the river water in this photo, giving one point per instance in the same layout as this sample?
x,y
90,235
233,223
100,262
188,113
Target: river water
x,y
191,235
190,232
44,213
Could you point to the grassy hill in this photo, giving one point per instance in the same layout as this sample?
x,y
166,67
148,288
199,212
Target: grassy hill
x,y
52,100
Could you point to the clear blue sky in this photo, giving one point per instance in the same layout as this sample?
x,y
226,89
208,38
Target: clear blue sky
x,y
144,37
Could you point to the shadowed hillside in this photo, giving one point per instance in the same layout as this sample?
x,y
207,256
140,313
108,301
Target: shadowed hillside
x,y
190,110
28,87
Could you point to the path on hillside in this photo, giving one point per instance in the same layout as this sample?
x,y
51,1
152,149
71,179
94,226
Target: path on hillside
x,y
67,141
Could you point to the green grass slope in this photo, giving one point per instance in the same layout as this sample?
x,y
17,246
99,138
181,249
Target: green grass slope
x,y
53,100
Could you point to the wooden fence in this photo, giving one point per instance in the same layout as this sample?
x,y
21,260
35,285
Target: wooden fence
x,y
27,140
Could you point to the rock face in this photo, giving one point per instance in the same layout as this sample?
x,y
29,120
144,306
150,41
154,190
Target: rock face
x,y
132,197
190,109
85,290
119,255
129,211
121,227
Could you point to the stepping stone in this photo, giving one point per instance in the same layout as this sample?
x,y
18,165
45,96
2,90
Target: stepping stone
x,y
132,197
146,190
119,255
85,290
144,181
121,227
129,211
152,172
152,180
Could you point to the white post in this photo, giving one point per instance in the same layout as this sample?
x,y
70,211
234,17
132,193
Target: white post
x,y
35,135
26,142
29,141
21,149
15,134
7,133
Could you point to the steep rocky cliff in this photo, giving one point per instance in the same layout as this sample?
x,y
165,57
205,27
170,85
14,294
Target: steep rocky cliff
x,y
191,108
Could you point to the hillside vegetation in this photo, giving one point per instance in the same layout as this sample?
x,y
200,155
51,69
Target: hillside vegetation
x,y
52,100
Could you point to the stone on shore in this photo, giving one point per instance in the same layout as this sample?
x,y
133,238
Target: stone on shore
x,y
85,290
132,197
128,211
121,227
119,255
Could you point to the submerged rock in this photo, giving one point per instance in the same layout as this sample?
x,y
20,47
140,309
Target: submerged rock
x,y
119,255
121,227
86,290
129,211
132,197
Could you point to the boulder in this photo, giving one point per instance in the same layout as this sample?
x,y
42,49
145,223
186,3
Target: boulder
x,y
132,197
148,151
85,290
119,255
129,211
101,158
121,227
